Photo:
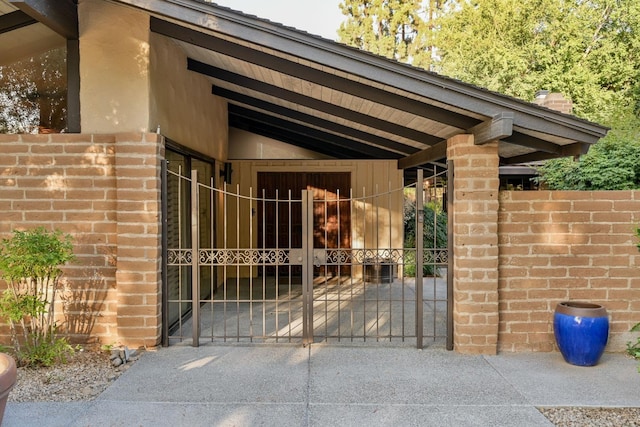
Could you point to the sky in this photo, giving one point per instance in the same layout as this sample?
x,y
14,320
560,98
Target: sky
x,y
319,17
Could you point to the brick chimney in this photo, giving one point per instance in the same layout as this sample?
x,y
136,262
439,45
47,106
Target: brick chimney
x,y
554,101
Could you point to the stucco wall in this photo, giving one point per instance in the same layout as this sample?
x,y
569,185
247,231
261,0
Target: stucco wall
x,y
245,145
141,82
182,103
114,72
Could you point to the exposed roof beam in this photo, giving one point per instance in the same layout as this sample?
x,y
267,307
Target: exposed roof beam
x,y
500,127
59,15
518,138
312,120
366,151
576,149
14,20
309,102
428,155
314,75
376,68
526,158
267,131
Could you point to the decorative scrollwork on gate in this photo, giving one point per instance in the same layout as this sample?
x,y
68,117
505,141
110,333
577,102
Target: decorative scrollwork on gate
x,y
228,257
436,256
361,256
179,257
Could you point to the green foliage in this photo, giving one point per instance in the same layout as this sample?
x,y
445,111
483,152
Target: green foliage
x,y
633,349
588,51
609,165
44,350
397,29
14,307
30,262
434,234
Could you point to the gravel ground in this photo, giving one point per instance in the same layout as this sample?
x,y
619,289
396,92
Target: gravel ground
x,y
596,417
88,373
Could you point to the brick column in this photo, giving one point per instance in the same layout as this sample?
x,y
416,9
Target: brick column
x,y
139,232
475,245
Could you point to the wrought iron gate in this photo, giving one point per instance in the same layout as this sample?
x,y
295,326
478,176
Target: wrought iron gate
x,y
231,286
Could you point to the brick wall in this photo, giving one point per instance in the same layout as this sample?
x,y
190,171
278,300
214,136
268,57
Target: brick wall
x,y
515,257
475,246
555,101
104,191
566,245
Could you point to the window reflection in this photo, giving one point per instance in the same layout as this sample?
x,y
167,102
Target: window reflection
x,y
33,94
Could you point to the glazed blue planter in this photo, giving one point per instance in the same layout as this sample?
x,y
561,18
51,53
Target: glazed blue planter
x,y
581,330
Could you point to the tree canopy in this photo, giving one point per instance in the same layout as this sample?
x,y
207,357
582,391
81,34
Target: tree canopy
x,y
397,29
587,50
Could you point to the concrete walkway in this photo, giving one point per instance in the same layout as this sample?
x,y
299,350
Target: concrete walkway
x,y
286,385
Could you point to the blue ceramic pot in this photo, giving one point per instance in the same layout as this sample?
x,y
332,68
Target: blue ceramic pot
x,y
581,330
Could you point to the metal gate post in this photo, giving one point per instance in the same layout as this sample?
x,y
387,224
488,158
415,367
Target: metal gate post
x,y
450,264
307,267
419,257
164,195
195,268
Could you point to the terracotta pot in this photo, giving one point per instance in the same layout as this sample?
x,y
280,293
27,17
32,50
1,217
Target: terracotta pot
x,y
581,330
8,375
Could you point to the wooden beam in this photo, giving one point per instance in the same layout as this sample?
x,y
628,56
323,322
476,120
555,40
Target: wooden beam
x,y
431,154
305,132
314,121
571,150
501,126
534,143
576,149
309,102
526,158
323,78
59,15
14,20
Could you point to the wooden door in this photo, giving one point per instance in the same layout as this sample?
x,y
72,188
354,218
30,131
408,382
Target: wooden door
x,y
280,222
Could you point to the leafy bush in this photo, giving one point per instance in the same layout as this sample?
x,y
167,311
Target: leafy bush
x,y
633,349
30,263
611,164
434,235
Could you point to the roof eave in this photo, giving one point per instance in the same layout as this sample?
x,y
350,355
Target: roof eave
x,y
372,67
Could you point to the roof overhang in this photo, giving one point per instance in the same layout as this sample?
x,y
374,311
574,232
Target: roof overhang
x,y
305,90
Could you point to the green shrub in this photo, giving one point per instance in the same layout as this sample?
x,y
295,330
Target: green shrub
x,y
434,235
30,263
633,349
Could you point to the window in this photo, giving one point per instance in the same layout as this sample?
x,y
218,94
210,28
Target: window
x,y
33,94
